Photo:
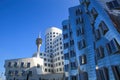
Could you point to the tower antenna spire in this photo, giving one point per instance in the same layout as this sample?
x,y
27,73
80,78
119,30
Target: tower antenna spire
x,y
39,35
38,43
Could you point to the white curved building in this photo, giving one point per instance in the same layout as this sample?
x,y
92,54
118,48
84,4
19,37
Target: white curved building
x,y
50,35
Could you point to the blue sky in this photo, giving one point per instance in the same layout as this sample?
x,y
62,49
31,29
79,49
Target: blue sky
x,y
22,20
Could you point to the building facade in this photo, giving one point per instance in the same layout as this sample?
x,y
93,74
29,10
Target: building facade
x,y
54,47
24,69
47,65
93,28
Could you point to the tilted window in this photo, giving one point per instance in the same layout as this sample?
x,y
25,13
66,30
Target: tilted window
x,y
94,13
97,34
102,74
99,52
116,71
103,28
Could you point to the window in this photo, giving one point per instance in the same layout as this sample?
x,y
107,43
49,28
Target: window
x,y
102,74
60,69
103,28
9,64
73,65
62,63
59,63
83,59
51,65
23,73
45,70
81,44
97,34
48,65
15,64
71,42
87,2
64,27
45,64
22,64
108,48
66,67
72,53
38,65
83,75
116,71
58,58
99,52
61,52
73,77
114,46
78,12
66,56
60,42
49,70
16,73
94,13
28,65
66,45
65,36
44,59
79,20
113,5
62,57
10,72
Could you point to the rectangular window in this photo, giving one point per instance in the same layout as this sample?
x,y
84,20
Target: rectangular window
x,y
66,67
45,64
9,64
28,65
103,27
99,52
71,42
113,4
94,13
97,34
81,44
22,64
15,64
66,45
82,59
73,77
64,27
66,56
78,12
65,36
102,74
114,46
79,20
79,31
72,53
83,75
116,72
73,65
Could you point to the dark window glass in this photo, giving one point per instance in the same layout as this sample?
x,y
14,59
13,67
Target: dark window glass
x,y
99,52
102,74
28,65
116,72
103,28
94,13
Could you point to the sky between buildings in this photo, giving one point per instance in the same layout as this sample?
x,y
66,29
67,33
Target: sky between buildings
x,y
22,20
